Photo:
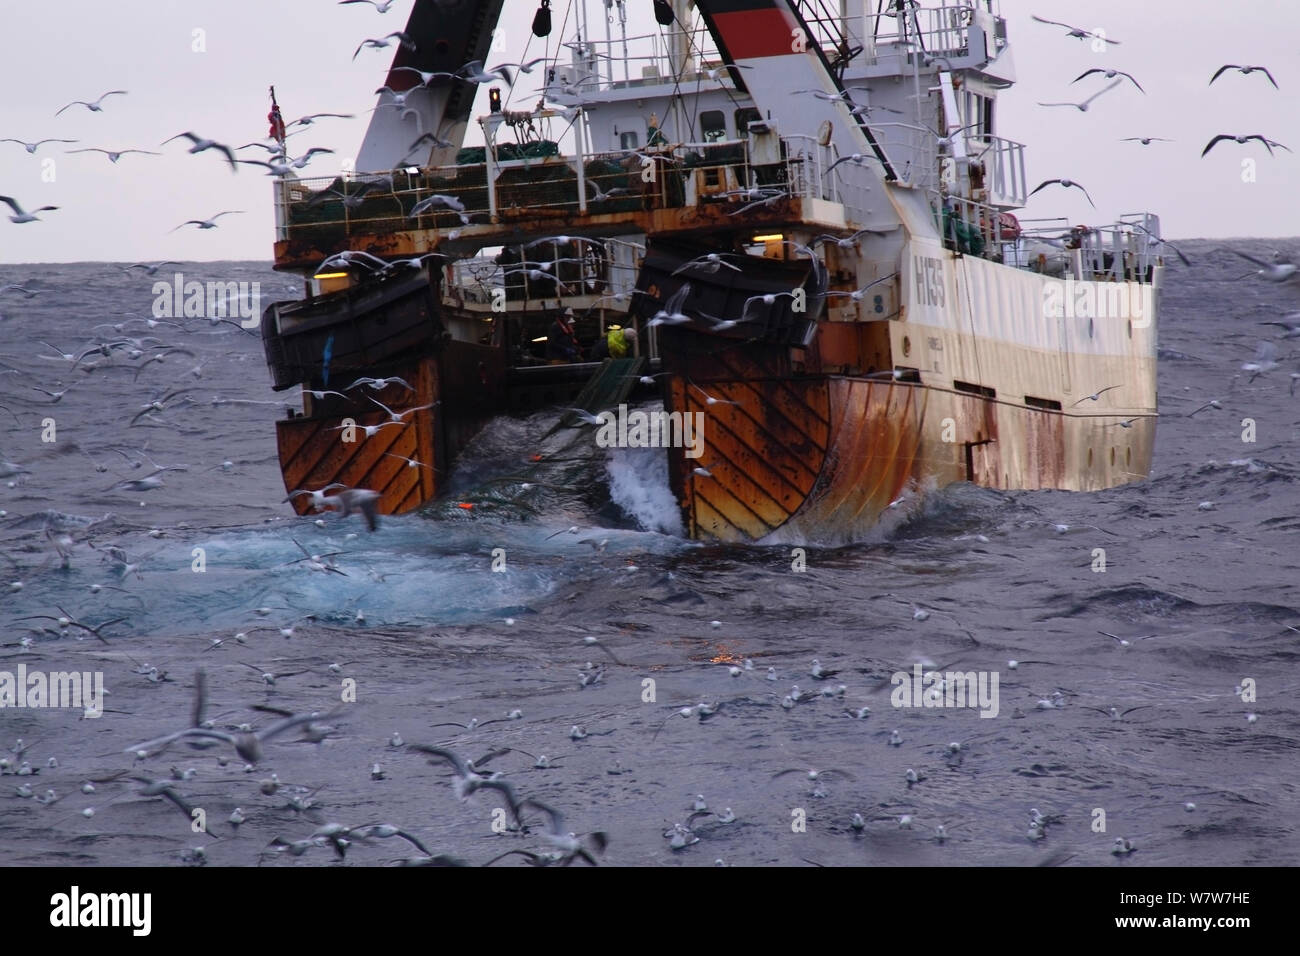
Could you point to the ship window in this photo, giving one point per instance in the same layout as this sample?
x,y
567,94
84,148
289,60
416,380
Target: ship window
x,y
628,140
1047,403
982,390
713,125
744,116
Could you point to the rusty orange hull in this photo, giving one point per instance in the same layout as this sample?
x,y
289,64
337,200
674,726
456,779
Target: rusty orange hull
x,y
315,450
822,458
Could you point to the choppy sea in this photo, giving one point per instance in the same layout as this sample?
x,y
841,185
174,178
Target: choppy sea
x,y
1201,580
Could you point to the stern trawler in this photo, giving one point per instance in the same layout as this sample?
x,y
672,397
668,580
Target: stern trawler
x,y
805,207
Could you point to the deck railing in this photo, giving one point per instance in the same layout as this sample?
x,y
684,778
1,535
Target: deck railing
x,y
539,188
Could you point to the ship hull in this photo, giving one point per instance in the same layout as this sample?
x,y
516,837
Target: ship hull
x,y
824,458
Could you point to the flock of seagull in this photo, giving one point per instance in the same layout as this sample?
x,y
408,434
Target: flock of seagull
x,y
132,344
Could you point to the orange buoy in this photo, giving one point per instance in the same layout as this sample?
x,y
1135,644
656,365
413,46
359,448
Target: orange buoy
x,y
465,504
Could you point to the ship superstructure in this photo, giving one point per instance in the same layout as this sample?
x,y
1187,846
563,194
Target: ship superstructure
x,y
879,321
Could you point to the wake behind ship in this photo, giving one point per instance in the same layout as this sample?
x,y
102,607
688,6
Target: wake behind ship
x,y
808,219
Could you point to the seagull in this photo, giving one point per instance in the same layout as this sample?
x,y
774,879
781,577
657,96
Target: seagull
x,y
312,117
1245,71
32,147
114,155
1110,75
410,462
473,72
93,107
1155,240
568,844
379,384
1292,331
521,67
361,500
1067,183
1268,143
710,262
403,40
382,6
208,223
586,416
709,399
439,201
1095,395
857,295
151,269
1272,271
821,673
200,145
20,216
602,196
1083,107
1076,32
248,744
1114,713
1212,403
467,781
1266,356
1145,140
395,418
317,497
716,74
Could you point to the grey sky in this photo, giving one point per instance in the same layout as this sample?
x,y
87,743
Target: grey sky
x,y
124,212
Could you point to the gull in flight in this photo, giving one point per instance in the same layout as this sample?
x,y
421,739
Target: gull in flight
x,y
1272,271
1243,139
1076,32
151,269
710,262
317,497
248,745
312,117
93,107
32,147
403,39
379,384
467,781
200,145
1155,240
1145,140
382,6
207,223
395,418
115,155
1245,71
439,201
1110,75
473,72
1095,395
20,215
1067,183
1265,360
361,500
1083,107
858,294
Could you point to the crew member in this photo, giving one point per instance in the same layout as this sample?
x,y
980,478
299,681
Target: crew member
x,y
561,344
619,342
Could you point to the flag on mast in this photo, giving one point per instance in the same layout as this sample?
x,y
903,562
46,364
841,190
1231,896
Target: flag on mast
x,y
277,121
